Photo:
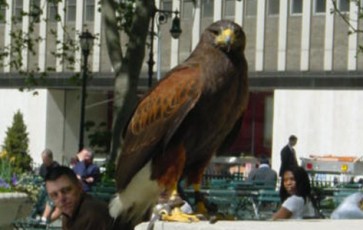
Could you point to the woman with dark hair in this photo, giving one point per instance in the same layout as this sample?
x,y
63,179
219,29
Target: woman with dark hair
x,y
295,194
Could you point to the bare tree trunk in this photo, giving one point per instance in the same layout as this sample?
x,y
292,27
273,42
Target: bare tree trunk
x,y
127,68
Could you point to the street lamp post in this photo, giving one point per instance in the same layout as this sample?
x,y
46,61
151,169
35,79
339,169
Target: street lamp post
x,y
86,42
175,32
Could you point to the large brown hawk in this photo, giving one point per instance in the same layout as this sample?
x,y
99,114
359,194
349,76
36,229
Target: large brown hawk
x,y
182,121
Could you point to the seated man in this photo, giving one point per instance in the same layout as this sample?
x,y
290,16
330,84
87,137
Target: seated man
x,y
86,170
79,210
48,162
50,213
264,173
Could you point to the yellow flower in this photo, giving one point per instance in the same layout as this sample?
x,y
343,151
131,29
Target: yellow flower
x,y
12,159
3,154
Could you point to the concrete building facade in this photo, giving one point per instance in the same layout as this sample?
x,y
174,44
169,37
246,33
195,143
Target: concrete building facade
x,y
304,71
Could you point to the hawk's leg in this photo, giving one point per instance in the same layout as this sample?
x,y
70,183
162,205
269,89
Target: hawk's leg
x,y
175,213
200,201
208,210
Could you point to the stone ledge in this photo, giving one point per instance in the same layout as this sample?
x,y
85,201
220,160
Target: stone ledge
x,y
259,225
9,195
13,206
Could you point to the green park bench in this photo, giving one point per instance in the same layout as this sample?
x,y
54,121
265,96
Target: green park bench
x,y
104,191
268,201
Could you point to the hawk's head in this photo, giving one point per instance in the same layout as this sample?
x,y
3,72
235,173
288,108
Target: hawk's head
x,y
227,35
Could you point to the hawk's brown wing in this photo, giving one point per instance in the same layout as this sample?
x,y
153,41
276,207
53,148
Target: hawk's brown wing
x,y
156,118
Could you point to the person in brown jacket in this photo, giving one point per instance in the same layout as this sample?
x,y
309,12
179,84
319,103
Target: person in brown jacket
x,y
79,209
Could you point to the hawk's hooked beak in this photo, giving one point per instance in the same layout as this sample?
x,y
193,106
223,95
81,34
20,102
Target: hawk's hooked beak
x,y
226,38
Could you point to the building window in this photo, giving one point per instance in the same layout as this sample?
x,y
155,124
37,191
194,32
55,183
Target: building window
x,y
167,5
71,10
35,10
188,9
319,6
251,8
18,9
268,121
89,14
52,11
296,6
2,13
343,5
273,7
207,8
229,8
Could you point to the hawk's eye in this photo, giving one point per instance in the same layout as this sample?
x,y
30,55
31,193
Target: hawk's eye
x,y
215,32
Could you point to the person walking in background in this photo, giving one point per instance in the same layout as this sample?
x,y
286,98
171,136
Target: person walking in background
x,y
295,194
86,171
288,155
264,173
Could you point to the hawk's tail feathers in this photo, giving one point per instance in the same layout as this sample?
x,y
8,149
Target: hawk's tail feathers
x,y
136,201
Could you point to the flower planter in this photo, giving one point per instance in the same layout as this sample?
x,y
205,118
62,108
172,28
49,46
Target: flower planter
x,y
13,206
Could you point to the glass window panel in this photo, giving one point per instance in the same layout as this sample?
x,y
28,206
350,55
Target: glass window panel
x,y
35,3
229,8
89,13
296,6
273,7
2,13
52,11
207,8
35,10
344,5
251,8
71,10
17,8
167,5
188,8
267,134
320,6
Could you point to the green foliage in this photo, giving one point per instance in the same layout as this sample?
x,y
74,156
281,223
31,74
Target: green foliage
x,y
30,184
5,167
3,190
29,41
108,177
5,172
99,136
126,12
16,145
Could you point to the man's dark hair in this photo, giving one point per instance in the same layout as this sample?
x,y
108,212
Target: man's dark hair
x,y
57,172
292,138
264,160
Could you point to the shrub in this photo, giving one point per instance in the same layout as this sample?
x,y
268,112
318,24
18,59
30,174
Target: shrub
x,y
16,145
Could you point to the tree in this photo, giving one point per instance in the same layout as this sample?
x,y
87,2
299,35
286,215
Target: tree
x,y
132,17
16,145
99,136
127,65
